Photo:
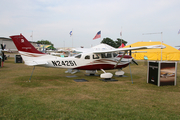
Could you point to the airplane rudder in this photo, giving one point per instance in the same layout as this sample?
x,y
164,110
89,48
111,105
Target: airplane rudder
x,y
23,44
16,39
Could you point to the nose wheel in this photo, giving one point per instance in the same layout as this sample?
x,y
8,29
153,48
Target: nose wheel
x,y
106,76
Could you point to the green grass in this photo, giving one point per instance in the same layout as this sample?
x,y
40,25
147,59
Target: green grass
x,y
51,95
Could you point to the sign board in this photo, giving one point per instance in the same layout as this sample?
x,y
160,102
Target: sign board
x,y
18,59
162,73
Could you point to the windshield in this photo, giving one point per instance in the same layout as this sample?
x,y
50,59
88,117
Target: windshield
x,y
78,56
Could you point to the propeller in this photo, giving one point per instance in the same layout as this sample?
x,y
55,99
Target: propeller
x,y
130,51
134,61
3,47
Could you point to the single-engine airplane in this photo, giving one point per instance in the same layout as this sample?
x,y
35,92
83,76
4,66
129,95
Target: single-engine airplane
x,y
89,60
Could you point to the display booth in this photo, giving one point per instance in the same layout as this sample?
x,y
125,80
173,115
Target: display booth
x,y
18,59
161,73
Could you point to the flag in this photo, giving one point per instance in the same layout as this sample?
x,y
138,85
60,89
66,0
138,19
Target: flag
x,y
121,33
179,31
31,35
98,35
122,45
70,33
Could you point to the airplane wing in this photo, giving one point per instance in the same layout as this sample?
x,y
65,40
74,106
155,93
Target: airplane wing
x,y
81,50
37,62
132,48
9,50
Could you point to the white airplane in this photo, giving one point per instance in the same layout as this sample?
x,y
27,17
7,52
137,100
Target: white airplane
x,y
90,60
3,50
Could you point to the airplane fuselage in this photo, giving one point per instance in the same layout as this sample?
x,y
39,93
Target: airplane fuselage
x,y
89,62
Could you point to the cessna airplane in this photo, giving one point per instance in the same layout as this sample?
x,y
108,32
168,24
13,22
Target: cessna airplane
x,y
90,60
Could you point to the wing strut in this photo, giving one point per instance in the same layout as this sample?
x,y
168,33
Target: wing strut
x,y
120,59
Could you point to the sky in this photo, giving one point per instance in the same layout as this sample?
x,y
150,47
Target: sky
x,y
54,19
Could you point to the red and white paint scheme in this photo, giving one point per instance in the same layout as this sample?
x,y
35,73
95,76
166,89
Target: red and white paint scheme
x,y
94,59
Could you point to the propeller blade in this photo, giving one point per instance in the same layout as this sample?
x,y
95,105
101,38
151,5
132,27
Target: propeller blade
x,y
134,61
3,47
2,51
130,52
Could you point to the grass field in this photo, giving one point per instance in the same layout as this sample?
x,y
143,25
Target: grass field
x,y
51,95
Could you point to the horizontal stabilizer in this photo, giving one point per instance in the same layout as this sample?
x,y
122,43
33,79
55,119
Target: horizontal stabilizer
x,y
33,63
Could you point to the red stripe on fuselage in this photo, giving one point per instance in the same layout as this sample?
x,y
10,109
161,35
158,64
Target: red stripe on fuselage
x,y
101,66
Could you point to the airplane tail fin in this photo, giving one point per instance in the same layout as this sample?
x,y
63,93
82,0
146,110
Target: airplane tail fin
x,y
23,45
29,53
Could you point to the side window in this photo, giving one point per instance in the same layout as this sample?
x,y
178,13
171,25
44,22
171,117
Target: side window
x,y
109,55
95,56
103,55
78,56
106,55
87,57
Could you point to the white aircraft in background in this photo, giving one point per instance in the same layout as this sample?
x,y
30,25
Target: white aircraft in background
x,y
3,50
92,60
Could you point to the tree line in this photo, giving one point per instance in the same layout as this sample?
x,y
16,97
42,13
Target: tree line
x,y
115,44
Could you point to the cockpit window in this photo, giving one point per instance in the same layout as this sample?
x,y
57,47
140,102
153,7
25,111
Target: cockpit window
x,y
106,55
87,57
78,56
95,56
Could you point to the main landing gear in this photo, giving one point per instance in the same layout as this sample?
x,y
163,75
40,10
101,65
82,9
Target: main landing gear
x,y
106,76
91,73
72,71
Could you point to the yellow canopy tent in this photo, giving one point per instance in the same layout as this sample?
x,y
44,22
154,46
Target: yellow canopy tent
x,y
168,53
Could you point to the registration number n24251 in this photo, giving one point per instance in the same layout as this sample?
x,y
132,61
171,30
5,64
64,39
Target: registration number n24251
x,y
64,63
